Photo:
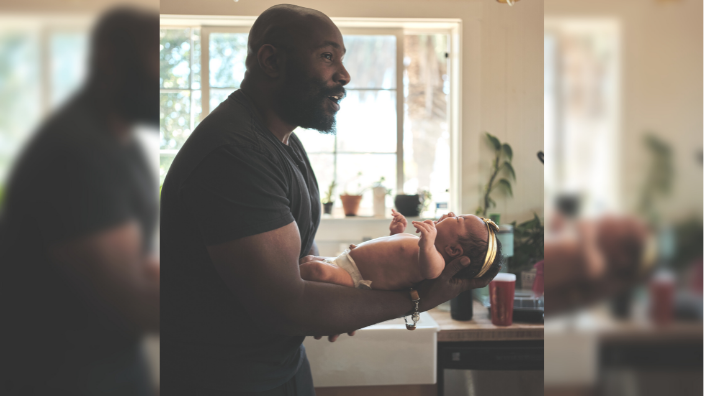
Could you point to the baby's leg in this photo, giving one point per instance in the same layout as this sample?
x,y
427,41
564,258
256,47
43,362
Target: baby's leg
x,y
324,272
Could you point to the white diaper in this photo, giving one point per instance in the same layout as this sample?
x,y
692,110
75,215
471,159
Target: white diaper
x,y
346,262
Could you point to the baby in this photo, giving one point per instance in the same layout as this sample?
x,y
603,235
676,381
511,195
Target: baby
x,y
400,261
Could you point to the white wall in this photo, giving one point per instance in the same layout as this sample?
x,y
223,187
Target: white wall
x,y
502,92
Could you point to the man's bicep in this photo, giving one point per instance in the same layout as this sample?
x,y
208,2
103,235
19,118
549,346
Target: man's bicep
x,y
262,270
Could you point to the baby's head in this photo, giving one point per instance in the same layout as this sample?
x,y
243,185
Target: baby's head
x,y
467,235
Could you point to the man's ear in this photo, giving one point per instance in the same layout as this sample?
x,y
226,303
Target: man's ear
x,y
454,250
270,60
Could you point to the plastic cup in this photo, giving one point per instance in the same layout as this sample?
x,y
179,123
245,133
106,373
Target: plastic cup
x,y
501,292
662,298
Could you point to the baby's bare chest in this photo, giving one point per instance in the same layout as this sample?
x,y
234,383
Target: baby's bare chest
x,y
391,264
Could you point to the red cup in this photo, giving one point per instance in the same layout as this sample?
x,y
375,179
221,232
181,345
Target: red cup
x,y
501,291
662,298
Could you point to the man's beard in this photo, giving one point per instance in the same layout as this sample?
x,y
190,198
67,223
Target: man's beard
x,y
303,102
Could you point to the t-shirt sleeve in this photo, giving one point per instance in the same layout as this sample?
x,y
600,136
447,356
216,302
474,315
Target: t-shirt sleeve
x,y
236,192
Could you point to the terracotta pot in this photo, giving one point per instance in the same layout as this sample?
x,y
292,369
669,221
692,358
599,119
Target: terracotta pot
x,y
350,203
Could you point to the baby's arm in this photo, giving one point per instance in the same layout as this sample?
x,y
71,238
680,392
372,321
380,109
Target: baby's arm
x,y
430,260
398,224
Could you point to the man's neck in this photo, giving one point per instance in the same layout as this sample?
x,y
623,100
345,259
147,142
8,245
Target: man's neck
x,y
263,104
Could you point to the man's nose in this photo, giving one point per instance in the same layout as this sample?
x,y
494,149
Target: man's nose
x,y
342,77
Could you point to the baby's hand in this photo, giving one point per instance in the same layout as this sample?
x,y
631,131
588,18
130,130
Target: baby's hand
x,y
428,232
398,224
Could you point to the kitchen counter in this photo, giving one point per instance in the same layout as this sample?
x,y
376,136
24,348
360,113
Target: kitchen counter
x,y
481,329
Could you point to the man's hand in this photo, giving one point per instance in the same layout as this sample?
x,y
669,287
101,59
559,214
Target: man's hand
x,y
398,224
436,291
428,233
334,338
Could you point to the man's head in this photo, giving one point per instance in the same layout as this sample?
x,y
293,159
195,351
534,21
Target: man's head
x,y
294,55
467,235
124,73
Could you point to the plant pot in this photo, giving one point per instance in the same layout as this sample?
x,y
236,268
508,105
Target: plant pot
x,y
350,204
408,205
327,207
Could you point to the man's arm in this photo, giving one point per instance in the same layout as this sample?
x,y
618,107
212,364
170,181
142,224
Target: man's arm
x,y
262,272
109,268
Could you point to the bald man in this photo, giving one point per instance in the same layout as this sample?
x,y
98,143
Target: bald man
x,y
240,207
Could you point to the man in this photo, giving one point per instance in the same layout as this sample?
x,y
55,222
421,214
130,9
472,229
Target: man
x,y
240,208
78,283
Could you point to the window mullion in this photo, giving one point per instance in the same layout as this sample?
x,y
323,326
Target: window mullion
x,y
399,112
204,72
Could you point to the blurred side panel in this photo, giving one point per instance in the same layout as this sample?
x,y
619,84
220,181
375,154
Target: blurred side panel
x,y
623,197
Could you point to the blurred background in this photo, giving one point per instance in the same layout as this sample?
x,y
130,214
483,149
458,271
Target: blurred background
x,y
623,197
78,239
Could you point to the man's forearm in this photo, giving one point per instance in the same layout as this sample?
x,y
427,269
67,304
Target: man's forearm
x,y
324,308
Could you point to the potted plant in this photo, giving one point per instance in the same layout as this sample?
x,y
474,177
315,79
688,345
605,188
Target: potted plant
x,y
408,205
350,202
503,154
327,199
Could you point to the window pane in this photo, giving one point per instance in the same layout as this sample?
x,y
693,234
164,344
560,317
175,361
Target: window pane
x,y
218,96
315,141
19,93
68,64
324,168
174,57
165,161
196,109
195,59
426,140
366,122
228,52
371,61
175,119
373,167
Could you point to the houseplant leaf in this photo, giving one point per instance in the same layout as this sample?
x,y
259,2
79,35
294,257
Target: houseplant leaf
x,y
492,203
507,165
507,185
507,150
494,141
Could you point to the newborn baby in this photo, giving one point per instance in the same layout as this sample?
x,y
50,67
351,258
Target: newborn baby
x,y
401,260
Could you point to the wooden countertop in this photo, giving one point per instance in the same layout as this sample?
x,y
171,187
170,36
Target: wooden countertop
x,y
481,329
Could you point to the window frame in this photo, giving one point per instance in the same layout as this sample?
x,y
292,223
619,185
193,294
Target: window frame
x,y
359,26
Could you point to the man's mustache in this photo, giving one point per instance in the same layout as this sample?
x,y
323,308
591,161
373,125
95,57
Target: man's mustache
x,y
337,91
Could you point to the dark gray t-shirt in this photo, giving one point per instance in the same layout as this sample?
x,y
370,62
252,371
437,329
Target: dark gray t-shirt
x,y
73,179
232,178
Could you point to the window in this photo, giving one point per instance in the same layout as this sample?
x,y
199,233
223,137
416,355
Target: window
x,y
581,111
41,64
393,124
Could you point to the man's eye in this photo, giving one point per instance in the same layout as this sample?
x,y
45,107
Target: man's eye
x,y
327,56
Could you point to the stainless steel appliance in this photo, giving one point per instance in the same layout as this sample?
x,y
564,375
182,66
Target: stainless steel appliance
x,y
489,368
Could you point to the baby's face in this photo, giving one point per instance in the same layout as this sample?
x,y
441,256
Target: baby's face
x,y
450,228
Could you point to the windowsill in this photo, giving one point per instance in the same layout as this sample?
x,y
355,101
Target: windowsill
x,y
326,217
